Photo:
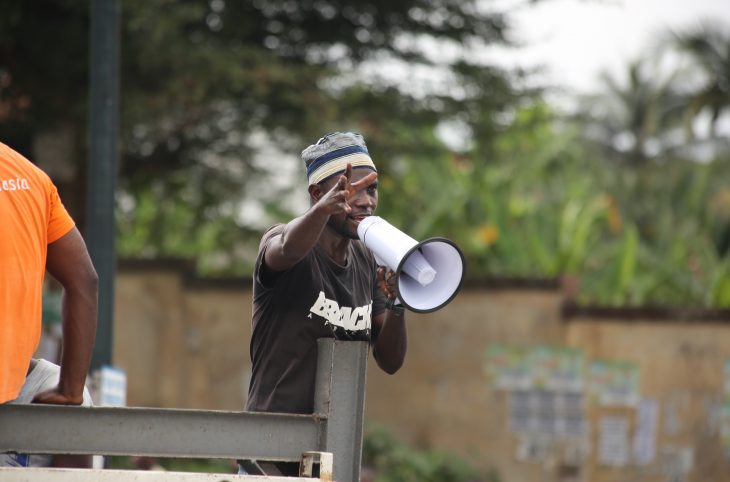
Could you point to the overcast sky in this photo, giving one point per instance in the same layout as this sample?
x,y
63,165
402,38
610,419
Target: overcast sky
x,y
577,39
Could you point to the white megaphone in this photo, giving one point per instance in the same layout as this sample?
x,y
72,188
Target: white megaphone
x,y
428,274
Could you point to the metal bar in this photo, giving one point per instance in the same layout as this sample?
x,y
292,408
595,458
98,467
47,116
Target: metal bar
x,y
158,432
336,427
102,163
80,475
341,376
323,460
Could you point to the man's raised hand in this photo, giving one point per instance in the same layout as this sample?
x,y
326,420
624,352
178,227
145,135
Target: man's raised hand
x,y
335,201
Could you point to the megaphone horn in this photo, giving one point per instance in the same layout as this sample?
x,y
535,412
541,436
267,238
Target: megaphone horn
x,y
428,273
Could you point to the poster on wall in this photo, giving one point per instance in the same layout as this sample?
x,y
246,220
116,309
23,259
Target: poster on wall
x,y
557,368
553,368
507,367
613,441
614,383
547,413
647,420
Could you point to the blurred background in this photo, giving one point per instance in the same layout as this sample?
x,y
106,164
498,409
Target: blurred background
x,y
577,151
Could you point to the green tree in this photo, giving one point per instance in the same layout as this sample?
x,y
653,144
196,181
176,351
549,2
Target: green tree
x,y
206,84
709,48
634,119
394,461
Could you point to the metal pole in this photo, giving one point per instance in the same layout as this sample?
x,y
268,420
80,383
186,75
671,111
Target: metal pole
x,y
102,164
340,394
49,429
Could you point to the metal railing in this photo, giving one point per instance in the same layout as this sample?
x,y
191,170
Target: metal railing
x,y
335,428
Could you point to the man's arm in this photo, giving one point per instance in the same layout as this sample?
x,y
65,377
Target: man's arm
x,y
68,261
389,329
297,239
391,344
302,233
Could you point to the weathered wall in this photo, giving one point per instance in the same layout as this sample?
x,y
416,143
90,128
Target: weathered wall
x,y
440,398
184,343
681,365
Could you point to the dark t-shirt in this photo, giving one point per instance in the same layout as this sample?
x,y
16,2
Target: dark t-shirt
x,y
316,298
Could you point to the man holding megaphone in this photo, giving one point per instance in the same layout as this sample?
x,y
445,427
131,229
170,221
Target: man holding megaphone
x,y
314,278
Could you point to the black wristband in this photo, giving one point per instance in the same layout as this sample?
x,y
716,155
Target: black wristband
x,y
396,308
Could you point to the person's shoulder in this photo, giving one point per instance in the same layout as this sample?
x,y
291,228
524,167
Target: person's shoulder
x,y
272,231
23,167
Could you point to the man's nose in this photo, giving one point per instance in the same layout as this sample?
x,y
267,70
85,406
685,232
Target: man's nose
x,y
363,199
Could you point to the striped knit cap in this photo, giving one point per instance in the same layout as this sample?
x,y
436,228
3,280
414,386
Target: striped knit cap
x,y
331,154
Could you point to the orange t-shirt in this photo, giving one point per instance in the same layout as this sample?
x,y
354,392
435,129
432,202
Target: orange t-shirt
x,y
31,216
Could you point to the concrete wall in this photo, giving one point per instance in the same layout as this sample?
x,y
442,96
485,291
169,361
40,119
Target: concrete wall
x,y
681,366
441,399
184,343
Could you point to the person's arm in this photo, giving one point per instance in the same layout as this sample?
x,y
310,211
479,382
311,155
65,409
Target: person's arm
x,y
68,261
389,329
302,233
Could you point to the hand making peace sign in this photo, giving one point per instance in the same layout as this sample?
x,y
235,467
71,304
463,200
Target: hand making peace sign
x,y
335,201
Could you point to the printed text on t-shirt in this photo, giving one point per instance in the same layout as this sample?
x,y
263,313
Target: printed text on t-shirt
x,y
344,316
17,184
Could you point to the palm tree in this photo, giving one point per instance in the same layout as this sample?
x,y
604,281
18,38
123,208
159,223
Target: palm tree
x,y
709,48
635,118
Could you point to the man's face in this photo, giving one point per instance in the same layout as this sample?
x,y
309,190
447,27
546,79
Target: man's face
x,y
363,204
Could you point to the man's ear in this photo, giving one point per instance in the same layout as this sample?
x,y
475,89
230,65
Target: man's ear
x,y
315,192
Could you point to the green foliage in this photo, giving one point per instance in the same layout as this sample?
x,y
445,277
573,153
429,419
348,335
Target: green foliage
x,y
546,205
719,294
218,98
635,119
394,461
709,48
204,81
206,84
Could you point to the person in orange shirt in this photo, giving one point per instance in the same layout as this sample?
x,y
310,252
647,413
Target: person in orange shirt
x,y
38,235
